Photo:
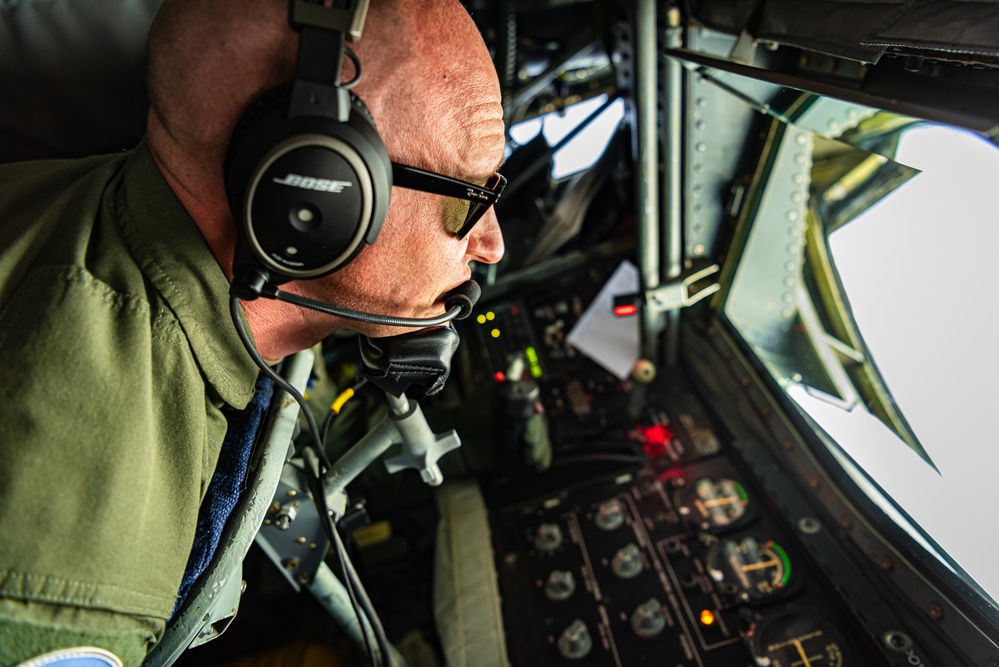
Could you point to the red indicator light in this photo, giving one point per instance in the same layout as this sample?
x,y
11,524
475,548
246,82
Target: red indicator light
x,y
625,310
707,617
655,439
657,434
500,377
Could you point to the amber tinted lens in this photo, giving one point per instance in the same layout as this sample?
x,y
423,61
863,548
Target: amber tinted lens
x,y
478,209
457,219
475,211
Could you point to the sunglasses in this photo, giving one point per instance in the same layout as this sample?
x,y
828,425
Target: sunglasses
x,y
480,197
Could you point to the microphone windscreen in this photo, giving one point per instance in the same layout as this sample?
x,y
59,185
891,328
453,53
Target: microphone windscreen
x,y
464,295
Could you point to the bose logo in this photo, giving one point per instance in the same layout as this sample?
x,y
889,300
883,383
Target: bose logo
x,y
309,183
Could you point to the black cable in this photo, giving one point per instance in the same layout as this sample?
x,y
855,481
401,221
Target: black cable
x,y
326,425
332,414
274,293
237,321
357,69
603,447
507,59
357,587
317,464
597,457
348,575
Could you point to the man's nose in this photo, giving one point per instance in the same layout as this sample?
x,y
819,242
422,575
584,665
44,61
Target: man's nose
x,y
485,241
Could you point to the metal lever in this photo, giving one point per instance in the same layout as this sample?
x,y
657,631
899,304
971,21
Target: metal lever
x,y
405,426
676,294
421,447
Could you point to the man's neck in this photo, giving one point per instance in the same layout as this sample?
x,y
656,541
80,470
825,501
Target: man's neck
x,y
278,329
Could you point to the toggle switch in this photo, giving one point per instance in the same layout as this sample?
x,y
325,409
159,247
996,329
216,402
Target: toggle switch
x,y
548,537
627,562
560,585
575,641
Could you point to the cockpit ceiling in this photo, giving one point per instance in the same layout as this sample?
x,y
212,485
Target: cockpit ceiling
x,y
964,32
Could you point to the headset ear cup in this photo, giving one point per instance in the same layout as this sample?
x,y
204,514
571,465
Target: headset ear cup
x,y
362,108
269,101
241,150
306,192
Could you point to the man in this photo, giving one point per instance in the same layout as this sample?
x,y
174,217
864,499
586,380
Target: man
x,y
119,356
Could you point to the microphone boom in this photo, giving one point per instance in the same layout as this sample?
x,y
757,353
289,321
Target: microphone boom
x,y
459,305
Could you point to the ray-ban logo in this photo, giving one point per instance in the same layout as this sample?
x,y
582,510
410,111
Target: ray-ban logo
x,y
309,183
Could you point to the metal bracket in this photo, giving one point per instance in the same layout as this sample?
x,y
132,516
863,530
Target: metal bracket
x,y
213,602
292,536
217,620
744,49
292,533
673,295
348,21
676,293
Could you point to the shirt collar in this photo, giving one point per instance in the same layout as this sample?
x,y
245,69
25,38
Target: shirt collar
x,y
175,257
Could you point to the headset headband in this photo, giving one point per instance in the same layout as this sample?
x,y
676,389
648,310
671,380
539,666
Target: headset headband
x,y
324,32
307,175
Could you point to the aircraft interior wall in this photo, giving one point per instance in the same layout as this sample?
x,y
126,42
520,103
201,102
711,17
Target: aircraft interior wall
x,y
684,512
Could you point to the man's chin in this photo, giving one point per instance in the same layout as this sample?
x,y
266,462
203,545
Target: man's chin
x,y
382,331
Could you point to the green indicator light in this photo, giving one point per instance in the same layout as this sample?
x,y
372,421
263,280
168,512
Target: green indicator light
x,y
533,361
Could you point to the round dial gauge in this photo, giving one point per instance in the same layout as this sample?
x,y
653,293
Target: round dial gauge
x,y
799,639
748,568
709,504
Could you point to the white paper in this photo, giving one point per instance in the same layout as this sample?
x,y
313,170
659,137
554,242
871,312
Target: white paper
x,y
611,341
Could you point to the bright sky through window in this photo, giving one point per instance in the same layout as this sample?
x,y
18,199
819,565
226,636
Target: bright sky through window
x,y
919,271
587,147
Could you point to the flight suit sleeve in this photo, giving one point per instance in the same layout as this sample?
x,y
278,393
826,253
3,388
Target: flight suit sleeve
x,y
107,438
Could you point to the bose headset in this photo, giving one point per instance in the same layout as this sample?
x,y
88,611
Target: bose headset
x,y
308,177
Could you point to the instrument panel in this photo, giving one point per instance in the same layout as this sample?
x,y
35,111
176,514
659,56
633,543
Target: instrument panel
x,y
648,540
673,563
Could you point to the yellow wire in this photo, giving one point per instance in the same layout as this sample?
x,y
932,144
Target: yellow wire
x,y
345,396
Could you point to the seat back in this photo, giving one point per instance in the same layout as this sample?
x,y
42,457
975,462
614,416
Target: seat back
x,y
72,76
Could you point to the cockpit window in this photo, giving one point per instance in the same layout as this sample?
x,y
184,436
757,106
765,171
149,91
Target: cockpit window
x,y
584,129
917,270
863,287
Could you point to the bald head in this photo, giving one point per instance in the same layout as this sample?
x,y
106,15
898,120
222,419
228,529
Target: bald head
x,y
421,60
430,86
428,80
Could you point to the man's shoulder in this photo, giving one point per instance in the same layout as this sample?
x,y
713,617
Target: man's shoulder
x,y
63,254
21,179
62,313
47,210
